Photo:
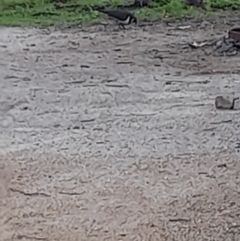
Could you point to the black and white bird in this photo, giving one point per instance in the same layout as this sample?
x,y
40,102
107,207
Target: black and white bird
x,y
122,17
196,3
142,3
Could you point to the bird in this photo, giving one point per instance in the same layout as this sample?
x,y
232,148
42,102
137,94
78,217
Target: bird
x,y
196,3
223,103
142,3
122,17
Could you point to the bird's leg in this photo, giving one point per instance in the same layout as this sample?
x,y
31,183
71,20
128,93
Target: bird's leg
x,y
121,25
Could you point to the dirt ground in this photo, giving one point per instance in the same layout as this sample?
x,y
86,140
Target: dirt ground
x,y
113,135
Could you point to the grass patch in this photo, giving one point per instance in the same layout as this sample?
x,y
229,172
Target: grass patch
x,y
48,12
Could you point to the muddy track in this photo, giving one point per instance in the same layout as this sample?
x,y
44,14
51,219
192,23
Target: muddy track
x,y
109,135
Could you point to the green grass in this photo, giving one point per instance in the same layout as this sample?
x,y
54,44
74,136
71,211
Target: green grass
x,y
48,12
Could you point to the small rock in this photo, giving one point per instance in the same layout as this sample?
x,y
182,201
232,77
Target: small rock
x,y
223,103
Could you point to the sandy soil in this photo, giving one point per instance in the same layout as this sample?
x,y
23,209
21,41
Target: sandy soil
x,y
109,135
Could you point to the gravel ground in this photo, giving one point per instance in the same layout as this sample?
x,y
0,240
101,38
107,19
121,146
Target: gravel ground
x,y
113,135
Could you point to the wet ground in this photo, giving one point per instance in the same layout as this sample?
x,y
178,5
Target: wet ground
x,y
113,135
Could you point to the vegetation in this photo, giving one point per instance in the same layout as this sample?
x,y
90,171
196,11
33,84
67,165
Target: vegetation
x,y
47,12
